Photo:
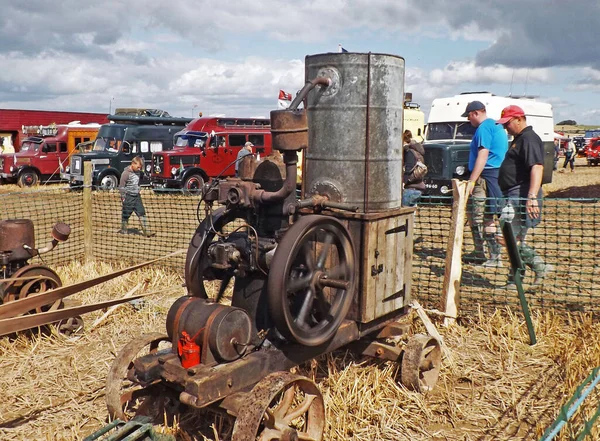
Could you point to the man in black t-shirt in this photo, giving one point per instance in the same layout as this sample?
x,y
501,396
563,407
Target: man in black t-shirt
x,y
520,180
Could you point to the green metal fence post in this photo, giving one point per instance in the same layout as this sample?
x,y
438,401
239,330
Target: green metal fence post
x,y
518,268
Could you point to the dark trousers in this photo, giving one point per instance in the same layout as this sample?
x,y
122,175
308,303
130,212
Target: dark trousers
x,y
132,204
569,160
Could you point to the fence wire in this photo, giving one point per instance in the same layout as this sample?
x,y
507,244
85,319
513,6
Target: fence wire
x,y
565,239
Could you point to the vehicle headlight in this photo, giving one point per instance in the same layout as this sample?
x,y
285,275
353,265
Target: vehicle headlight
x,y
12,168
68,169
148,168
157,169
444,189
460,170
174,171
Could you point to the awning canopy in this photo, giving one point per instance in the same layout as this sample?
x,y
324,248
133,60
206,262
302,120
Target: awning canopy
x,y
561,137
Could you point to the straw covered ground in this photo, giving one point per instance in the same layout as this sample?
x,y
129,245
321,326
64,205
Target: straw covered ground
x,y
492,386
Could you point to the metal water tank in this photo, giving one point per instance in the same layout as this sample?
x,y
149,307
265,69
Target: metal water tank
x,y
354,150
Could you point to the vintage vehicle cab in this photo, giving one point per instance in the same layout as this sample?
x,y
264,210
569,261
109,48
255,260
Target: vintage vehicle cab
x,y
206,148
414,118
44,152
448,136
592,152
118,143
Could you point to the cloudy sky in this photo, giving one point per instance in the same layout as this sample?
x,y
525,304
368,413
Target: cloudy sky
x,y
232,56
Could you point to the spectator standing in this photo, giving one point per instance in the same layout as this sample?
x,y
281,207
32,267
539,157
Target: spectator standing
x,y
413,152
244,151
556,153
569,156
488,147
521,182
129,187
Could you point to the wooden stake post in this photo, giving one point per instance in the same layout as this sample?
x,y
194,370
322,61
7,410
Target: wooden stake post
x,y
88,245
453,273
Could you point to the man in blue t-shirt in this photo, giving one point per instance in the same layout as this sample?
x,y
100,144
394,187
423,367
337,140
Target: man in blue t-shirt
x,y
488,148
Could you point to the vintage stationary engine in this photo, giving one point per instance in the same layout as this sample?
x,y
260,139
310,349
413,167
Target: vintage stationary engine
x,y
17,247
311,274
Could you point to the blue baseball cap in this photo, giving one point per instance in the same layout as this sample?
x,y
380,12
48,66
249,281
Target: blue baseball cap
x,y
472,106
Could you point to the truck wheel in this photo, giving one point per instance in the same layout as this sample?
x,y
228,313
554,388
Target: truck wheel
x,y
193,185
28,178
108,182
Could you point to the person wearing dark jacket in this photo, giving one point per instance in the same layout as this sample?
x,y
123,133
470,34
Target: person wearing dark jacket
x,y
520,179
129,187
414,186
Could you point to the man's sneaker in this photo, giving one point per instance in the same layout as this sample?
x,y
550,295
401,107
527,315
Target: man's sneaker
x,y
510,286
122,231
493,262
149,233
540,274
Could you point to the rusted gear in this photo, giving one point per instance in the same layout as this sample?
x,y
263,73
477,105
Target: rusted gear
x,y
282,406
421,363
36,279
311,280
126,397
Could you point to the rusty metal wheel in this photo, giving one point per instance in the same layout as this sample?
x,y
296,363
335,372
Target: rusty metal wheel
x,y
35,279
126,395
311,280
70,326
421,363
282,406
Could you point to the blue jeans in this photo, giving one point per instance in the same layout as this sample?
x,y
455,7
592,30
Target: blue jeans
x,y
410,197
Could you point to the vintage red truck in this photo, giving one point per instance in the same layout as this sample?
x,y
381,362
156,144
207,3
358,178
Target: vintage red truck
x,y
12,121
207,148
44,152
592,151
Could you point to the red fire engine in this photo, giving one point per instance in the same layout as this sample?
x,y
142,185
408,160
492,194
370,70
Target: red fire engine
x,y
206,148
12,120
44,153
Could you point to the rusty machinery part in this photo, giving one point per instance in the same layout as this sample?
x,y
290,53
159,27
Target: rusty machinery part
x,y
70,326
421,363
126,396
42,279
14,233
312,280
222,332
17,323
282,406
61,232
198,263
21,306
289,129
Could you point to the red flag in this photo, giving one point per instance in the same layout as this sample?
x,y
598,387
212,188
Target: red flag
x,y
284,95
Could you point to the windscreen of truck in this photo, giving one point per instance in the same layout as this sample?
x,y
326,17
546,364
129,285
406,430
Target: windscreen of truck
x,y
191,139
30,146
109,138
450,131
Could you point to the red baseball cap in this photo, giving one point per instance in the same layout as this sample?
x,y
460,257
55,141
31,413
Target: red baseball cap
x,y
509,113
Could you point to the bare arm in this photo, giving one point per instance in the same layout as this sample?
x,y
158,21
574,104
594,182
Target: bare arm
x,y
482,156
532,205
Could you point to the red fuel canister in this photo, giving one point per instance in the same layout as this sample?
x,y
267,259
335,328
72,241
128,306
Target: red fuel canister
x,y
188,350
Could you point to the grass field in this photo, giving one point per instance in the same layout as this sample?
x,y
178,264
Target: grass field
x,y
493,384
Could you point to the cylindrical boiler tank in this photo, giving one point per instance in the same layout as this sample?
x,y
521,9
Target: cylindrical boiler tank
x,y
14,233
355,129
